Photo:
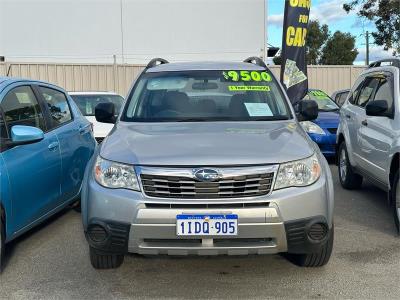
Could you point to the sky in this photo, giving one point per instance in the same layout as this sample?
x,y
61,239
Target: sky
x,y
328,12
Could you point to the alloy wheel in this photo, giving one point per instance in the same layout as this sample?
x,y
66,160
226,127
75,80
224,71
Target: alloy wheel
x,y
343,164
398,200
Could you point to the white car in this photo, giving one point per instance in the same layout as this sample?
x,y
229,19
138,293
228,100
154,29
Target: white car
x,y
87,102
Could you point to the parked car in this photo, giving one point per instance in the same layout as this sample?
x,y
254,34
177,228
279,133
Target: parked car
x,y
340,96
208,159
323,129
44,148
87,102
369,132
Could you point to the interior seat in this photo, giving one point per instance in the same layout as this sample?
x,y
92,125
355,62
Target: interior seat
x,y
206,106
177,101
237,107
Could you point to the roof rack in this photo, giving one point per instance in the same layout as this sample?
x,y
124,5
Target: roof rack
x,y
255,60
152,63
391,62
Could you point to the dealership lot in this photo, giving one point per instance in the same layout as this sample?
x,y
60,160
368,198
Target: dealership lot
x,y
52,261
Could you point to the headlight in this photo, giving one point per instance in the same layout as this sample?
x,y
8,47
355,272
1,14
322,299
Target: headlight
x,y
311,127
298,173
115,175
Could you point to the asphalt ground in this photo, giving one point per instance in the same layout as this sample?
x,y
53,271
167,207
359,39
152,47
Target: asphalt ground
x,y
52,262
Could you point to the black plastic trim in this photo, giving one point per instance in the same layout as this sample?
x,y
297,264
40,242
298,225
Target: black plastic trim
x,y
393,62
117,236
255,60
152,63
298,240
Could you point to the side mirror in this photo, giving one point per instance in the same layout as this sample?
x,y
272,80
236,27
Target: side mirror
x,y
105,112
307,110
377,108
21,134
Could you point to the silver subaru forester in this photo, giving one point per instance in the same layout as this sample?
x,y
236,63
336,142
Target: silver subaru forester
x,y
208,159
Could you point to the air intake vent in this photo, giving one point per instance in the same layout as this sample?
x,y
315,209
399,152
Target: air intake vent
x,y
97,233
318,231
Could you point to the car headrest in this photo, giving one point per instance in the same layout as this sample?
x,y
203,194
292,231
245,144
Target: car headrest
x,y
236,106
176,101
207,105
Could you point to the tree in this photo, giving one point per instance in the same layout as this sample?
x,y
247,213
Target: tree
x,y
339,50
317,34
386,16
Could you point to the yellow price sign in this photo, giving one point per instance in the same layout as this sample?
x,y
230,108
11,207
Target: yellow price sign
x,y
246,76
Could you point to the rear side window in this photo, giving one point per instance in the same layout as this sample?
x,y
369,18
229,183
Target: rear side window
x,y
58,106
21,107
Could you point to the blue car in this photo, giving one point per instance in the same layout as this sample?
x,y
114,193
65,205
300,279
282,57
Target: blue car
x,y
45,145
323,129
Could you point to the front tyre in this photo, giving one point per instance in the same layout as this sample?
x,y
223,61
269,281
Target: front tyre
x,y
348,178
319,259
396,201
76,206
101,260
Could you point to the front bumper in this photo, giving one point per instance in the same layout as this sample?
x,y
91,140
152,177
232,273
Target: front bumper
x,y
266,224
254,238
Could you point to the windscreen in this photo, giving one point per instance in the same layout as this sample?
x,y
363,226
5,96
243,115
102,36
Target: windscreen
x,y
192,96
87,103
325,103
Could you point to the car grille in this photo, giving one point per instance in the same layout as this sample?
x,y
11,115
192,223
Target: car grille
x,y
189,188
332,130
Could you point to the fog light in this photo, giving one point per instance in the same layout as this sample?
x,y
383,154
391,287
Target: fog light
x,y
318,231
97,233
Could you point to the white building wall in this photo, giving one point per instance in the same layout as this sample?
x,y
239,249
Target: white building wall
x,y
92,31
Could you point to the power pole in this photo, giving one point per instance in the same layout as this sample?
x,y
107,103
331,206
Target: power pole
x,y
265,39
367,48
122,32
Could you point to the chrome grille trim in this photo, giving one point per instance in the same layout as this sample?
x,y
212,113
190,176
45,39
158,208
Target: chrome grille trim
x,y
180,183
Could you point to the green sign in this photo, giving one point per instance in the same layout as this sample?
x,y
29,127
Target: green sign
x,y
319,94
236,88
246,76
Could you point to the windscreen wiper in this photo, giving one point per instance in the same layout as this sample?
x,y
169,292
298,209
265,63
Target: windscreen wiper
x,y
277,118
191,120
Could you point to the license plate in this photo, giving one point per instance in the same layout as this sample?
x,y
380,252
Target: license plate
x,y
203,225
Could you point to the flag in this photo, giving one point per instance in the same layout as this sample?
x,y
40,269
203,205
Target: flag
x,y
293,66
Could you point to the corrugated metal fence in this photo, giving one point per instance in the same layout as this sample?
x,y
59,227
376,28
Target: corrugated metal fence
x,y
118,78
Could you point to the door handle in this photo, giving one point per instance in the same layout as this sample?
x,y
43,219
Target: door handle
x,y
53,146
348,116
83,129
365,123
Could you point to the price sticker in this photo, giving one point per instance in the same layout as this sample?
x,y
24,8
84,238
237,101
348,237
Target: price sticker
x,y
246,76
